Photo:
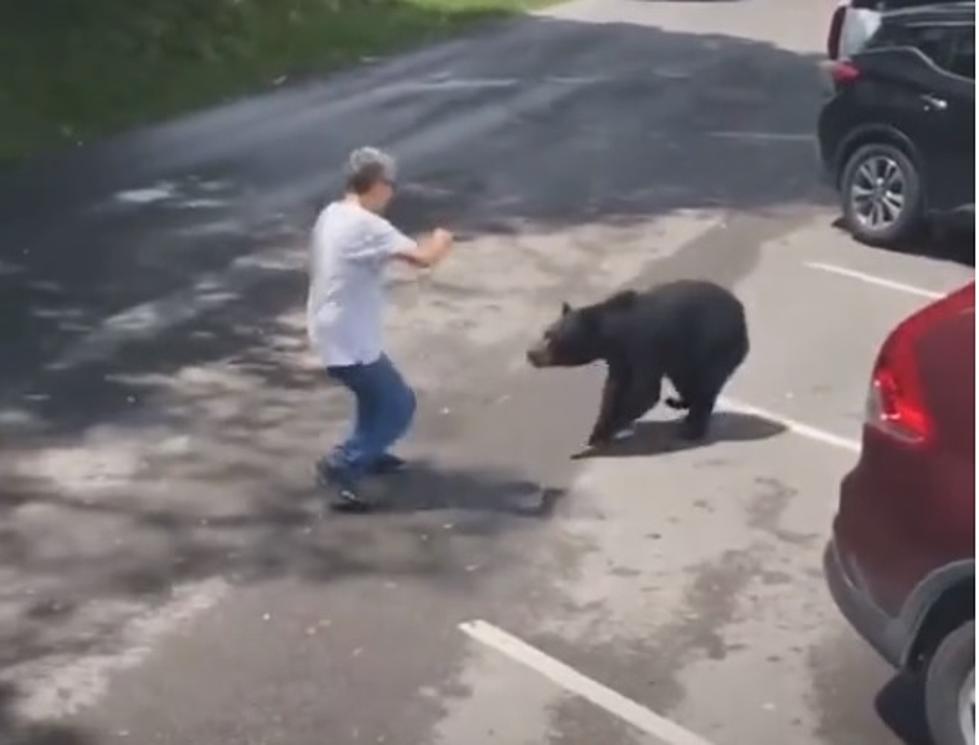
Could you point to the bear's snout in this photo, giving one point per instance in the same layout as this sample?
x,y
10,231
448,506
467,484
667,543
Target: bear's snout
x,y
539,356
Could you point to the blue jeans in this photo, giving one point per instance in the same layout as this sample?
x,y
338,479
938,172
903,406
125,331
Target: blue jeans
x,y
385,408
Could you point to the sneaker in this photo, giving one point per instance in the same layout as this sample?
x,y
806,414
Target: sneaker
x,y
386,464
324,472
346,497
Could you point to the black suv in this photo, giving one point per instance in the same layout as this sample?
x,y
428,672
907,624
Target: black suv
x,y
897,138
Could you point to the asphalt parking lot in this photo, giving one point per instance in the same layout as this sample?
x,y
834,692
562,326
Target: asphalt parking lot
x,y
167,574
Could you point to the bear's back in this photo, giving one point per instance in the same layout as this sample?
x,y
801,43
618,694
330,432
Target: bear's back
x,y
690,316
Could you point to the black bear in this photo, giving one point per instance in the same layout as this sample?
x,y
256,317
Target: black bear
x,y
692,332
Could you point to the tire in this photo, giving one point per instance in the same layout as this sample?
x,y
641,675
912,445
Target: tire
x,y
950,672
878,177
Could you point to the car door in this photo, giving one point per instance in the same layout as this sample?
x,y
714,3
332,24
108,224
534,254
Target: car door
x,y
933,101
956,145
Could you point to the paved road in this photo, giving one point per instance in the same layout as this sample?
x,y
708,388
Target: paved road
x,y
167,574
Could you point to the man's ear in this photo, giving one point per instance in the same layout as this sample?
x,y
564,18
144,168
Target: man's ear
x,y
565,309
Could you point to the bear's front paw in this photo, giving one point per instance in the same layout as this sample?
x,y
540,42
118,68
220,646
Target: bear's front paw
x,y
599,439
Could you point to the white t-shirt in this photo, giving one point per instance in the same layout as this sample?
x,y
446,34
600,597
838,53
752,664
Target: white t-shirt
x,y
349,248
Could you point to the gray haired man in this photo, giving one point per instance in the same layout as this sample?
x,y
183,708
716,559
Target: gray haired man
x,y
351,244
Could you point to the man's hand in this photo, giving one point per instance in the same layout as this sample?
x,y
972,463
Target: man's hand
x,y
431,250
442,236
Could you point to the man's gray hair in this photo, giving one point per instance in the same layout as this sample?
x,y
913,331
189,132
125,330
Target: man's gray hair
x,y
366,166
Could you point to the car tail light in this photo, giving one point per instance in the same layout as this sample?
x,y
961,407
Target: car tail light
x,y
835,32
896,403
844,73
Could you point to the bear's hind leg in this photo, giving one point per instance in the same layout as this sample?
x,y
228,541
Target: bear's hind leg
x,y
702,399
643,395
697,422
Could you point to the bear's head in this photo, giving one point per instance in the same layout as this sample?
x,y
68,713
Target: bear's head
x,y
573,339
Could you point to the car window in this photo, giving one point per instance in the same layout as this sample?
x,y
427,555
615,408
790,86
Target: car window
x,y
963,61
935,42
903,4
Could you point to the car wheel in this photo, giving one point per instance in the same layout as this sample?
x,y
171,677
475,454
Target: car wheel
x,y
950,688
881,193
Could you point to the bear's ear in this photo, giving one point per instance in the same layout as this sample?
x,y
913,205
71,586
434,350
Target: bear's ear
x,y
565,309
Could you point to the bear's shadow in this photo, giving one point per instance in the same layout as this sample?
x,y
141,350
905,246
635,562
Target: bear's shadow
x,y
660,437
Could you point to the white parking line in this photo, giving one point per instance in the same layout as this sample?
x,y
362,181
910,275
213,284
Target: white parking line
x,y
571,680
872,280
793,425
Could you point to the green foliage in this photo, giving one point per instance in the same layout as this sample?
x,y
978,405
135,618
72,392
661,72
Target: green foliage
x,y
76,69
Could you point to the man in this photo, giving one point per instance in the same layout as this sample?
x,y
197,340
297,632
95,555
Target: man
x,y
351,244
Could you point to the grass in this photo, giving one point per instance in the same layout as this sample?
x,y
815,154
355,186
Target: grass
x,y
75,70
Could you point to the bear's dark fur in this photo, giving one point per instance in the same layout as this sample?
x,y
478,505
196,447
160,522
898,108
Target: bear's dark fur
x,y
691,332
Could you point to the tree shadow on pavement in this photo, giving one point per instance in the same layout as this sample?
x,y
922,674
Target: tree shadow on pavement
x,y
661,437
13,732
124,553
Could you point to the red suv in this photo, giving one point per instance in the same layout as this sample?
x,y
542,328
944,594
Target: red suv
x,y
901,563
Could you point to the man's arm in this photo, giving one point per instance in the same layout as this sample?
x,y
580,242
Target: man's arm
x,y
429,251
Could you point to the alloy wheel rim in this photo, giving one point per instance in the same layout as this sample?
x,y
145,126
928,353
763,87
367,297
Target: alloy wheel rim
x,y
967,708
878,192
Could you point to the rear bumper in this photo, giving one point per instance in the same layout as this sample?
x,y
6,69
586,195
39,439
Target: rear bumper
x,y
885,634
903,539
